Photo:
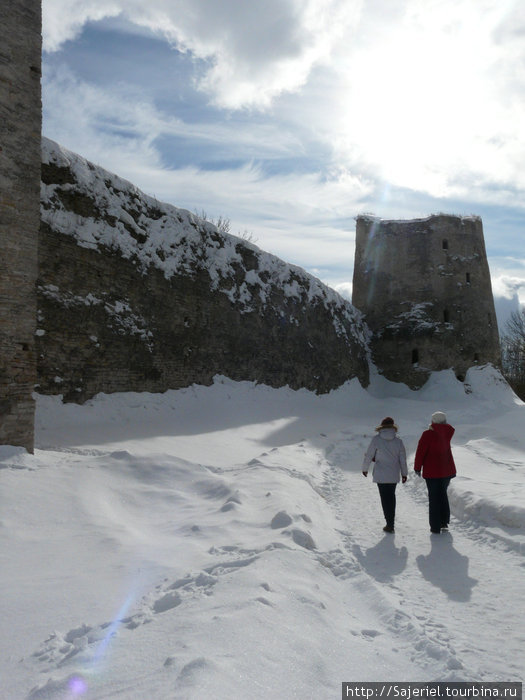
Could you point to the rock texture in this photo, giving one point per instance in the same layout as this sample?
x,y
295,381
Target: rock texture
x,y
424,287
20,125
136,295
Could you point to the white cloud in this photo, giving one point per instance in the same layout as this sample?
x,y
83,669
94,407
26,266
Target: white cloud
x,y
508,287
108,124
255,50
434,101
104,126
344,289
63,20
426,96
305,218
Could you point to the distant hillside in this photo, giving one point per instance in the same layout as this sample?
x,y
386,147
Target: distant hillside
x,y
137,295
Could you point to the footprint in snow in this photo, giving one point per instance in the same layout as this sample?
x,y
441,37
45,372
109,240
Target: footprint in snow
x,y
303,539
280,520
193,669
370,634
168,601
72,686
264,601
58,649
338,563
231,502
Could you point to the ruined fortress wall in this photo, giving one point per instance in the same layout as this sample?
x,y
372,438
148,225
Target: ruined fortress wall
x,y
424,287
135,295
104,326
20,127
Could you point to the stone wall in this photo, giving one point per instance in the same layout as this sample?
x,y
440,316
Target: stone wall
x,y
424,287
136,295
20,127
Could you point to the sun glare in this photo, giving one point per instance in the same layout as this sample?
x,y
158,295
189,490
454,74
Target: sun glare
x,y
414,101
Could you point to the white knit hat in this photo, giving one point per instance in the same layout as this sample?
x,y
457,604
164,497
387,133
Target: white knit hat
x,y
439,417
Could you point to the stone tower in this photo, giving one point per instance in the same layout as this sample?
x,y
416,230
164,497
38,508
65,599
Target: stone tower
x,y
20,158
424,287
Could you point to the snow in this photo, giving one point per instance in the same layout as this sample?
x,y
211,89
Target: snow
x,y
176,242
221,542
417,318
120,314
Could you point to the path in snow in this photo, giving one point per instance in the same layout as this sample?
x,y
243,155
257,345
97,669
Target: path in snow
x,y
440,602
445,599
258,562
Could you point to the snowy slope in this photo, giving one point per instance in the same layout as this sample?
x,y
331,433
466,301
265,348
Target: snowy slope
x,y
115,215
222,542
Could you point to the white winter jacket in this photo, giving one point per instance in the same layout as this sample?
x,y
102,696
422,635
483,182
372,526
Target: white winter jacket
x,y
390,457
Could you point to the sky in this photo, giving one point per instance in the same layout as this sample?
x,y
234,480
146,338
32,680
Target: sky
x,y
292,117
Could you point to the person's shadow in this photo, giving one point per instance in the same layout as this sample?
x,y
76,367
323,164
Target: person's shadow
x,y
384,560
447,569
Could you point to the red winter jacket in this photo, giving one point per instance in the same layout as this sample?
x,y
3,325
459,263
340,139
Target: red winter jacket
x,y
433,452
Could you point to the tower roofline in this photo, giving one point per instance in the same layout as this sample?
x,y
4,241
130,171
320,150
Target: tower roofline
x,y
372,217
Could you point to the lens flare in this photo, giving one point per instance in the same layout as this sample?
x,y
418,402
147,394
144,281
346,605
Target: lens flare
x,y
112,629
373,254
77,685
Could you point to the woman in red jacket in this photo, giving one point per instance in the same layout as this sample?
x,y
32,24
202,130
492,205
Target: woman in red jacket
x,y
434,457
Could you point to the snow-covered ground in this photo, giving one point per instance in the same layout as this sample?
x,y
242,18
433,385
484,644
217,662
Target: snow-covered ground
x,y
222,542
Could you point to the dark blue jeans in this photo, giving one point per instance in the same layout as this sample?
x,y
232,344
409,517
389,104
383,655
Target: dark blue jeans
x,y
387,493
438,507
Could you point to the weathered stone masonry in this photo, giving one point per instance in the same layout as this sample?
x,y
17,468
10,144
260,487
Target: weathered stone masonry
x,y
20,154
135,295
424,287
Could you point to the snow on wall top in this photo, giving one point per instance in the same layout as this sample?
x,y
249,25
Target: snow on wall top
x,y
176,241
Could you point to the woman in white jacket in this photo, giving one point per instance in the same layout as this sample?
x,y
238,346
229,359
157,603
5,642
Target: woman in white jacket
x,y
390,464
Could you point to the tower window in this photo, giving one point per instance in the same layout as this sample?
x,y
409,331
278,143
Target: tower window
x,y
445,244
468,277
446,315
415,356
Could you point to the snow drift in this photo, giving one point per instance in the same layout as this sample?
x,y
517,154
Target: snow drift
x,y
221,541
